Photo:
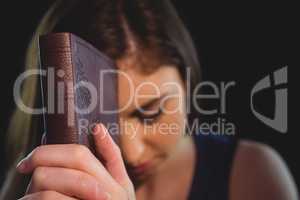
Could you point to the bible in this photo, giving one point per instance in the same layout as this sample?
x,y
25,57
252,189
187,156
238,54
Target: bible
x,y
79,89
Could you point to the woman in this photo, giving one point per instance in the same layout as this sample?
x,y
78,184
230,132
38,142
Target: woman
x,y
148,41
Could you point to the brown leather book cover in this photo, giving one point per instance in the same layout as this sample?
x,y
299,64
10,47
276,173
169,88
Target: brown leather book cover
x,y
79,88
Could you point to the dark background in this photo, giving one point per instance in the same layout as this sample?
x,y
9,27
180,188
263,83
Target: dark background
x,y
241,42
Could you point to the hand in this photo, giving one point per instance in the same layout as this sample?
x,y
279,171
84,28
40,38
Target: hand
x,y
71,171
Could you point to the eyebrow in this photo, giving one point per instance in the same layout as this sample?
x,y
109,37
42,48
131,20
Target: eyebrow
x,y
147,105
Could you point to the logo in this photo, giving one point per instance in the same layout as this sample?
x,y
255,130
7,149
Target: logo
x,y
279,86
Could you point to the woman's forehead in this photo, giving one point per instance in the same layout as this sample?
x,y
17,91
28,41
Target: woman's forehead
x,y
133,78
135,87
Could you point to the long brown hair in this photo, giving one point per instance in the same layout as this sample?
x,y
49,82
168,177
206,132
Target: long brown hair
x,y
154,26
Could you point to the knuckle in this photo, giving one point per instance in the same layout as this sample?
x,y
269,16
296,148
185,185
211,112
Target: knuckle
x,y
118,150
117,153
80,152
127,189
82,180
87,184
39,175
117,156
123,193
130,186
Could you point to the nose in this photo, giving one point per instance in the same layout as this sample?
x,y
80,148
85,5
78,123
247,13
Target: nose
x,y
132,147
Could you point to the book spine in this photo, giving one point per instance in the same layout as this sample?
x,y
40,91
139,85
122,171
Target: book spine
x,y
58,89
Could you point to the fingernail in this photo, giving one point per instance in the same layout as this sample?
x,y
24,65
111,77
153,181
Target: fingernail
x,y
104,131
21,166
95,129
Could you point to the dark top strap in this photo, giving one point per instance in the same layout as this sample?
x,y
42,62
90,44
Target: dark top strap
x,y
215,155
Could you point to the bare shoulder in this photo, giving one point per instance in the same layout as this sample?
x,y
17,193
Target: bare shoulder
x,y
260,173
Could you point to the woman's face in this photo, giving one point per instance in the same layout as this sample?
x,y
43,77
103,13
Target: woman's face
x,y
152,116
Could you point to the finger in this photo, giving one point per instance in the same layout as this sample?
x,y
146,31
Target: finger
x,y
47,195
111,154
69,182
71,156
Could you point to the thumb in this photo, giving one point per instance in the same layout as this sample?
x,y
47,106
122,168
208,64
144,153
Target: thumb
x,y
109,151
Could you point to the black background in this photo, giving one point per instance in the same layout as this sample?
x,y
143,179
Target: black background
x,y
236,41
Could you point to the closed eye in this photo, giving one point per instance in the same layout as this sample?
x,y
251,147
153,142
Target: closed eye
x,y
149,116
150,111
